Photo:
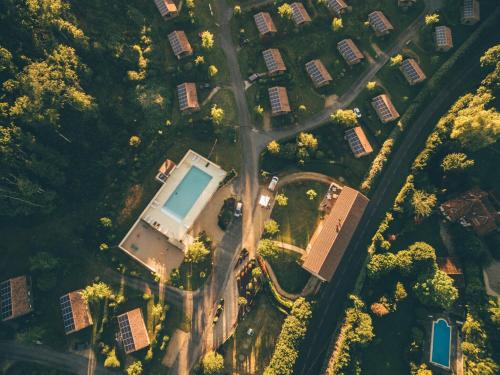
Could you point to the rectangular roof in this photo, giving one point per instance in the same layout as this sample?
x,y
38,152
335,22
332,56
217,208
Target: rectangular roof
x,y
274,61
166,7
470,10
326,249
379,22
358,142
443,37
15,298
336,6
412,71
279,100
384,108
75,312
349,51
133,332
179,43
188,98
264,23
318,73
300,15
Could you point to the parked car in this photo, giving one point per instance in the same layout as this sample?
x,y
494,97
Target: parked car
x,y
357,112
239,209
273,183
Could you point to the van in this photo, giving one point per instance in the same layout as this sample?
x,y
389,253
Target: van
x,y
273,183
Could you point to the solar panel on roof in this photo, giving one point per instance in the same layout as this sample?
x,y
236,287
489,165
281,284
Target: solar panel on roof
x,y
126,333
336,5
67,313
5,300
468,8
377,21
347,51
354,142
162,7
314,72
409,70
182,93
260,21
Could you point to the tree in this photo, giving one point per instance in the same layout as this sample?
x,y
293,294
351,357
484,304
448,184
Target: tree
x,y
423,203
271,227
103,246
259,110
379,309
308,141
285,11
281,199
494,310
237,10
207,39
380,265
437,290
134,141
396,60
456,162
212,70
337,24
44,265
135,368
273,147
212,363
242,301
431,19
257,273
106,222
268,249
217,114
111,359
199,60
196,252
345,117
371,85
311,194
400,292
96,292
491,57
302,108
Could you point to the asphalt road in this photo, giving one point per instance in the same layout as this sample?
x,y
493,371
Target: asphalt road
x,y
327,314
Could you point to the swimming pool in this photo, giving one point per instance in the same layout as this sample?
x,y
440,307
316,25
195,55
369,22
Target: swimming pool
x,y
186,193
440,346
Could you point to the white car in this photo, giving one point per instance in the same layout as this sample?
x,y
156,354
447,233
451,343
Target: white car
x,y
273,183
239,209
357,112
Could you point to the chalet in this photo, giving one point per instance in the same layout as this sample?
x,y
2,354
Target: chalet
x,y
449,265
180,44
318,73
386,111
75,312
443,38
300,15
332,236
278,98
274,61
188,98
15,298
358,142
133,333
349,51
337,7
265,24
412,71
473,209
470,12
379,23
167,8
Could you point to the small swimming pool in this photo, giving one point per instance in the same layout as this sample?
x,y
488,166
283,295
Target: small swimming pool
x,y
187,193
440,346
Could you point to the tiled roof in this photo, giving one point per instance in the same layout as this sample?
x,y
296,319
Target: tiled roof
x,y
75,312
470,11
264,23
278,98
188,98
274,61
15,297
318,73
449,265
379,22
412,71
300,15
180,43
443,37
349,51
358,142
166,7
384,108
336,6
133,332
326,249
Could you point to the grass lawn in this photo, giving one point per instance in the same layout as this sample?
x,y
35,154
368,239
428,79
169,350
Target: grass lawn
x,y
245,354
299,218
291,276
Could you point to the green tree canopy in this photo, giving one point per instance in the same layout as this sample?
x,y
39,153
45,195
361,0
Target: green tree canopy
x,y
456,162
196,252
345,117
212,363
437,290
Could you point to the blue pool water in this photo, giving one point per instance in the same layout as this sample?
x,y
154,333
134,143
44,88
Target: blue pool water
x,y
441,343
187,193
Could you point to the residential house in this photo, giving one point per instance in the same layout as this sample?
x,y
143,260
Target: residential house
x,y
333,234
180,44
75,312
337,7
386,111
278,98
274,61
300,15
15,298
349,51
167,8
188,98
132,330
443,38
379,23
412,71
265,24
472,209
470,12
449,265
358,142
318,73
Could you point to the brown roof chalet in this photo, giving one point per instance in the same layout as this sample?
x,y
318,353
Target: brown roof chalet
x,y
450,266
318,73
264,23
384,108
412,71
15,298
278,98
188,98
300,15
379,23
337,7
470,12
443,38
75,312
349,51
358,142
180,44
274,61
133,332
330,241
167,8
